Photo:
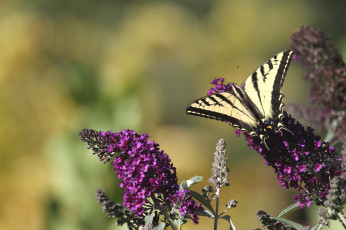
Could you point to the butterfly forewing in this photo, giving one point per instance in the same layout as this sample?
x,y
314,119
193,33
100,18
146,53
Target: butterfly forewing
x,y
225,107
263,86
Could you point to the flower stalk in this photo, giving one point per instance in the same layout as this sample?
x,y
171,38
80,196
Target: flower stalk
x,y
342,219
216,219
219,176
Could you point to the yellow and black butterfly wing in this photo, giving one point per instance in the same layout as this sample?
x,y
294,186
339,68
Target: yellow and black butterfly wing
x,y
224,107
264,85
254,106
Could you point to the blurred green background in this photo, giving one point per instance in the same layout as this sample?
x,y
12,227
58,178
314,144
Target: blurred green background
x,y
116,64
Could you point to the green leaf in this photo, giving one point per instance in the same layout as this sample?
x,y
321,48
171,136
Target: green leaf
x,y
206,213
186,184
226,217
206,203
289,209
229,220
289,222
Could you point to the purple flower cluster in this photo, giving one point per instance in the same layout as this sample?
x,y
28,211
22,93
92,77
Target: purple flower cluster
x,y
219,86
219,170
301,161
115,210
326,72
325,67
270,223
144,171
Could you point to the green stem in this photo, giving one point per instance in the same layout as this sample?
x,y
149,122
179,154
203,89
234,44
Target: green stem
x,y
320,227
342,219
216,209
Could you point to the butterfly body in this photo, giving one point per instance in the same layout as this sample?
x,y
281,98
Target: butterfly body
x,y
256,105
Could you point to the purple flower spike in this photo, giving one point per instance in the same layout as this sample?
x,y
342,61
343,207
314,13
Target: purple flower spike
x,y
144,171
300,159
326,69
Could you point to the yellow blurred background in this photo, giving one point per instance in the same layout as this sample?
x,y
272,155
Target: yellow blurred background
x,y
116,64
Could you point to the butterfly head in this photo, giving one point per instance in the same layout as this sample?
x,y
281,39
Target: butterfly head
x,y
268,130
267,127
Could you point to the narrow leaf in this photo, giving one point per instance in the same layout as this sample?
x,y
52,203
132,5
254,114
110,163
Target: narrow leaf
x,y
226,217
289,209
289,222
186,184
207,213
229,220
206,203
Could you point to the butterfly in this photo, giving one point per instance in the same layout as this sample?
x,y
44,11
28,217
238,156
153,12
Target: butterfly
x,y
254,107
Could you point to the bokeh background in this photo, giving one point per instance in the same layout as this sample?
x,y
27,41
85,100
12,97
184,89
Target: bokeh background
x,y
116,64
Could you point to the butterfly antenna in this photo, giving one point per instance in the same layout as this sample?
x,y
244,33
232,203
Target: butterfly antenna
x,y
265,144
287,130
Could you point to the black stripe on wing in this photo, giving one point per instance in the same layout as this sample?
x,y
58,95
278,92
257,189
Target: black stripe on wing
x,y
238,95
266,83
279,80
236,123
254,80
263,73
248,105
210,114
204,108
